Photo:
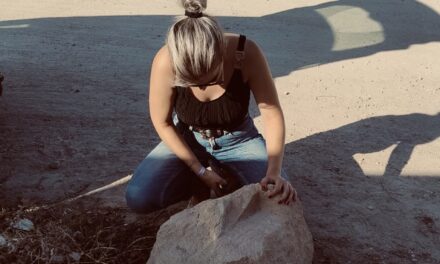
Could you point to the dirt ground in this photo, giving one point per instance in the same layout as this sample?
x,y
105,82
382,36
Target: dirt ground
x,y
359,86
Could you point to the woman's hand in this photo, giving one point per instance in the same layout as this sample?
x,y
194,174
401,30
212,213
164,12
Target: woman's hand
x,y
213,181
282,186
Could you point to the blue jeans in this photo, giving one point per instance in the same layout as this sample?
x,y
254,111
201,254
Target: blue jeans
x,y
162,179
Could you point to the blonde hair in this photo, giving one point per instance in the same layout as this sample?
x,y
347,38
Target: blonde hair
x,y
196,45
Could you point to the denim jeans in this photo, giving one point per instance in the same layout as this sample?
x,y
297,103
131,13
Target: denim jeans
x,y
162,179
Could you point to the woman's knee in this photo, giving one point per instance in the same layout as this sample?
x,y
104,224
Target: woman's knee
x,y
140,200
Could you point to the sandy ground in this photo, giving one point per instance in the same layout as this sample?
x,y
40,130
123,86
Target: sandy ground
x,y
358,82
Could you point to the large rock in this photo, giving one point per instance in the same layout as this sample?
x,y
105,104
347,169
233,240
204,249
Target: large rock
x,y
242,227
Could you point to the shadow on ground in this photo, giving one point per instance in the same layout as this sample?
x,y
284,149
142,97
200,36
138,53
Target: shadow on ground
x,y
346,208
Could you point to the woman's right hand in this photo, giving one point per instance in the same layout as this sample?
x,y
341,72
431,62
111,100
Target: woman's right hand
x,y
213,181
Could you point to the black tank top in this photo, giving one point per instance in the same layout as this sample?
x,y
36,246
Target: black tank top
x,y
225,112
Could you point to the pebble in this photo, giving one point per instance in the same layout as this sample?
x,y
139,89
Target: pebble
x,y
286,93
57,259
24,224
3,241
75,256
370,207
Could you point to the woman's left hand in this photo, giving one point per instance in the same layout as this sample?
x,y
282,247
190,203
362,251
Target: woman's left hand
x,y
282,186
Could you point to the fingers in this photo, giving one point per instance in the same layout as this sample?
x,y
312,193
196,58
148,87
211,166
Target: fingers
x,y
295,195
223,182
286,193
220,188
292,197
277,189
220,184
286,190
218,191
215,178
264,183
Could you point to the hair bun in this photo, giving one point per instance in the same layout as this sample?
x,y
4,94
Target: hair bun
x,y
194,6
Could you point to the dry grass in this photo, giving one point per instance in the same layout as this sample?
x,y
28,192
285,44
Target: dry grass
x,y
65,232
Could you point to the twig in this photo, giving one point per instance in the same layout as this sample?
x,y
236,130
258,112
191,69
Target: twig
x,y
137,240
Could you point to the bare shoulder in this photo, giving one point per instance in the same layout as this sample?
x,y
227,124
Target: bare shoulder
x,y
252,48
162,73
254,56
162,59
232,40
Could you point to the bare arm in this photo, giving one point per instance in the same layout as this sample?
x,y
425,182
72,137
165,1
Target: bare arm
x,y
161,99
264,91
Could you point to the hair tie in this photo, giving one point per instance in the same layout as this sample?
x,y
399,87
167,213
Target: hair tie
x,y
193,14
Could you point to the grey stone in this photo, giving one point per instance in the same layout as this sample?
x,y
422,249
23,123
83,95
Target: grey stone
x,y
3,242
24,224
75,256
57,259
242,227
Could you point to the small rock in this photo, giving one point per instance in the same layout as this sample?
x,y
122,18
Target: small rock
x,y
370,207
3,241
24,224
75,256
57,259
286,93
